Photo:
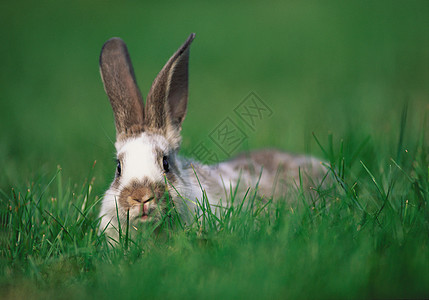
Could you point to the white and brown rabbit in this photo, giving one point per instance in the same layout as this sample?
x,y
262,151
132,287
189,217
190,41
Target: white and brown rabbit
x,y
147,144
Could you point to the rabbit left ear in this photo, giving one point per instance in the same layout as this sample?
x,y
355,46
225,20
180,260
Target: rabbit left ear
x,y
168,97
120,84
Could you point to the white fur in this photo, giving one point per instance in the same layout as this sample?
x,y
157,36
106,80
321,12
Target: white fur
x,y
139,162
139,158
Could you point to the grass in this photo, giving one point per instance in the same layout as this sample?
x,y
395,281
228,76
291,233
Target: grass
x,y
365,237
336,77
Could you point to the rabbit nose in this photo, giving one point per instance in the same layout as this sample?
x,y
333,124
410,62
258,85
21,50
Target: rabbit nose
x,y
140,192
147,198
139,198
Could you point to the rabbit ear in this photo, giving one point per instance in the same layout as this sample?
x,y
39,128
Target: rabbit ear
x,y
120,85
168,97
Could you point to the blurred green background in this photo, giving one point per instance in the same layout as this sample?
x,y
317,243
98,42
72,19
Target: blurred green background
x,y
321,66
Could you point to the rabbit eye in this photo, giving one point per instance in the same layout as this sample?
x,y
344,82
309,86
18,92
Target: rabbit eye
x,y
165,164
118,168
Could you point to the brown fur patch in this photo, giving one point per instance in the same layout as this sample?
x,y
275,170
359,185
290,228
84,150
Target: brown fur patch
x,y
139,192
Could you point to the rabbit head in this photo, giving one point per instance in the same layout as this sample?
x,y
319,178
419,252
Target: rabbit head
x,y
147,136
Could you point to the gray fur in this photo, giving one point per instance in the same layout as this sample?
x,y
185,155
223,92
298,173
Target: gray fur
x,y
120,85
168,97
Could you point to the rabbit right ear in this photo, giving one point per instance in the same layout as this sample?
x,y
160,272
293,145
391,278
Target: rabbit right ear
x,y
120,85
168,97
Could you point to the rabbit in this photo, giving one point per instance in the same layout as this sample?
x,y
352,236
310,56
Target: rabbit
x,y
148,138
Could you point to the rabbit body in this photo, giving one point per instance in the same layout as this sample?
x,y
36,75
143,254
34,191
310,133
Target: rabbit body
x,y
147,142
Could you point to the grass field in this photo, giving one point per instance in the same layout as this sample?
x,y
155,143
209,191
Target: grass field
x,y
348,83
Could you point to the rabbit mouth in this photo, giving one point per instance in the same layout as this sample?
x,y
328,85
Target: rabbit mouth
x,y
146,210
